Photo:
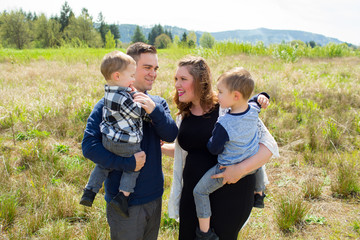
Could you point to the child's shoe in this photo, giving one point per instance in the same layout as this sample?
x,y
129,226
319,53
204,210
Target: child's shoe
x,y
259,200
120,204
210,235
87,198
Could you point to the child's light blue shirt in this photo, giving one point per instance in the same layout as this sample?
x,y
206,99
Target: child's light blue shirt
x,y
235,136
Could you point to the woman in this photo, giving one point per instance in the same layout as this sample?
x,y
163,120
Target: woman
x,y
198,111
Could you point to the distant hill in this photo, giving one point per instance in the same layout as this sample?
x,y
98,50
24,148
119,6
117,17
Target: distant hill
x,y
267,36
272,36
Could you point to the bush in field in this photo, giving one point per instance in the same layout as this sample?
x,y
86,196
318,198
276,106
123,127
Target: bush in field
x,y
290,212
332,134
109,40
207,40
15,29
8,206
347,182
286,52
162,41
312,188
289,52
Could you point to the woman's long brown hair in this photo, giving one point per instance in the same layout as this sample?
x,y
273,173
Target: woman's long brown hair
x,y
200,71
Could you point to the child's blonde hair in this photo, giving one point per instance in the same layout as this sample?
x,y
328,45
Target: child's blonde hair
x,y
113,62
238,79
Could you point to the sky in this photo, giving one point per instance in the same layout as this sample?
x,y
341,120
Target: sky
x,y
333,18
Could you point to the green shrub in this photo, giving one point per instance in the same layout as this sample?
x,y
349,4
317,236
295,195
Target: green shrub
x,y
31,134
347,182
331,134
311,219
8,206
60,148
312,188
290,212
168,223
356,226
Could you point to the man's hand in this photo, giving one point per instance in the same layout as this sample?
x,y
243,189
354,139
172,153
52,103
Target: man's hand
x,y
140,160
145,101
263,101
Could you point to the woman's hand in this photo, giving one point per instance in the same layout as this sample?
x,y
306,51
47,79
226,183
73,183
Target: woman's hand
x,y
145,101
232,174
168,149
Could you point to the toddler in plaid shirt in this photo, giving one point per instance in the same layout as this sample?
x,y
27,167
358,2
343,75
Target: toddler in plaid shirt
x,y
121,128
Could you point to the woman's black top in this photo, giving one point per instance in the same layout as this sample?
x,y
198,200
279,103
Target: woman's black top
x,y
230,205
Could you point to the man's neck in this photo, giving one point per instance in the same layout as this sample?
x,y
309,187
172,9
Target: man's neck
x,y
138,89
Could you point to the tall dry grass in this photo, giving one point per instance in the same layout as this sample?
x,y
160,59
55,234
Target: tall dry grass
x,y
45,101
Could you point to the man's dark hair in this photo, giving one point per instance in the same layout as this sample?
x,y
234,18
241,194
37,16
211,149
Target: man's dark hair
x,y
136,49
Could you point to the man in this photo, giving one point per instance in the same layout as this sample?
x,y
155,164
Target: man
x,y
145,203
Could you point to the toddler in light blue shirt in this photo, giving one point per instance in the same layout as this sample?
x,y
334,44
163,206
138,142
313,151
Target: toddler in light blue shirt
x,y
234,138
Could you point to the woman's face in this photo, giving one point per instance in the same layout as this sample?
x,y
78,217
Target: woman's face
x,y
184,84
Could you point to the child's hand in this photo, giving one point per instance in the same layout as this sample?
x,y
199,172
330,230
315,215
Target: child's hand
x,y
133,89
263,101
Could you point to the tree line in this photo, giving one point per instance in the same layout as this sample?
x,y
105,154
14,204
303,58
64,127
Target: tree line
x,y
20,29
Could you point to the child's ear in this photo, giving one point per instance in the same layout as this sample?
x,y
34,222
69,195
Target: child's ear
x,y
237,95
115,75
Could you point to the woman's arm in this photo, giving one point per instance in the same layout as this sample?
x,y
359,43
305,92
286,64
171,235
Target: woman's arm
x,y
267,148
168,149
234,173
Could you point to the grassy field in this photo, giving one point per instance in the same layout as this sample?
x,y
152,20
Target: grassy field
x,y
47,95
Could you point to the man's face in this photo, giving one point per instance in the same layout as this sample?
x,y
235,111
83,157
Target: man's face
x,y
146,68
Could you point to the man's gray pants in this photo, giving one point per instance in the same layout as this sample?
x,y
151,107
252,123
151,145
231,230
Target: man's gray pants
x,y
142,224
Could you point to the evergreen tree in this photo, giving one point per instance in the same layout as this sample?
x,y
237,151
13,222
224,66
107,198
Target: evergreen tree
x,y
115,31
65,15
183,43
184,37
31,16
103,28
312,44
138,36
191,44
168,32
155,31
85,13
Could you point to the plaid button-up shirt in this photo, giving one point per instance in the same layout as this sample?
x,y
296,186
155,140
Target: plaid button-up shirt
x,y
122,117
